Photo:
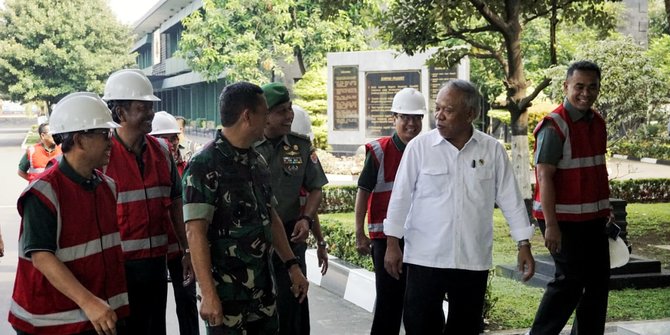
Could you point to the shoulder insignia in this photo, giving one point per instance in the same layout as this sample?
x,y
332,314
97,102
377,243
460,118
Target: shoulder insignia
x,y
314,157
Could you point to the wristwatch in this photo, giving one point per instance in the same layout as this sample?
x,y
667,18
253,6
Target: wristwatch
x,y
291,262
321,244
522,243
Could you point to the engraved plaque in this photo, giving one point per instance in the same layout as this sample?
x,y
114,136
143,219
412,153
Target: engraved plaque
x,y
345,97
380,89
437,77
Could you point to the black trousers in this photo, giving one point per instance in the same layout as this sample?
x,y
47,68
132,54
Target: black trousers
x,y
581,281
293,315
185,301
390,293
426,288
147,295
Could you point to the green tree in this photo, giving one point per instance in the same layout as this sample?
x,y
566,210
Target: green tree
x,y
49,48
246,39
632,89
491,31
311,94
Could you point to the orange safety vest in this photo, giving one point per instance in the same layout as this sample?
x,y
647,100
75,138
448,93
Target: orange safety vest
x,y
144,198
387,159
582,187
39,158
89,245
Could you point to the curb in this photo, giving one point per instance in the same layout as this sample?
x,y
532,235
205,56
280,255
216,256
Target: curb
x,y
351,283
643,159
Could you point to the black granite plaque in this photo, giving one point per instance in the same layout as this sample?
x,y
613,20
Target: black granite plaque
x,y
380,89
437,77
345,97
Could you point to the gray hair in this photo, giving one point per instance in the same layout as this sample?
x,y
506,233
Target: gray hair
x,y
473,99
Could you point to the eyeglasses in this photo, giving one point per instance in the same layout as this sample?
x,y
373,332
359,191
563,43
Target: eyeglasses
x,y
410,117
106,133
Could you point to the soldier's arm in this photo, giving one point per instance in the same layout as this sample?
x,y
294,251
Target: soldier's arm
x,y
210,308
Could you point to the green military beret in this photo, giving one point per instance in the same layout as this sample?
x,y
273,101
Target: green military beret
x,y
275,94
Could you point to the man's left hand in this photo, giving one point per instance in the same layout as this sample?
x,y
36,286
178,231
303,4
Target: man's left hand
x,y
187,273
300,231
299,284
526,263
322,256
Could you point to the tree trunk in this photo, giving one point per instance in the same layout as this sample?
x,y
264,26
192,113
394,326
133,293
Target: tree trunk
x,y
667,15
516,91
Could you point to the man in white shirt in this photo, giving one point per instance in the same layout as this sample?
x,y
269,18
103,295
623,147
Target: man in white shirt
x,y
442,204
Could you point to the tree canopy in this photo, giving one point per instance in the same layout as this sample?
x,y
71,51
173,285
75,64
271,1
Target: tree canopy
x,y
492,31
628,99
49,48
246,39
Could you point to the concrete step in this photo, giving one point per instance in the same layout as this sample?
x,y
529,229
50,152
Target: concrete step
x,y
639,273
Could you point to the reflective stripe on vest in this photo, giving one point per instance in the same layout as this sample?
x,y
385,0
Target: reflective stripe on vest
x,y
89,248
376,227
577,208
173,247
62,318
144,194
567,162
382,185
145,243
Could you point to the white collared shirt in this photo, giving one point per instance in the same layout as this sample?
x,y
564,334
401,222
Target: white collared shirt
x,y
443,199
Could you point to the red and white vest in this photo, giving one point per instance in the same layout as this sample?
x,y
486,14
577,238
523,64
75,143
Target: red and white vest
x,y
582,187
39,158
387,158
174,249
144,199
89,245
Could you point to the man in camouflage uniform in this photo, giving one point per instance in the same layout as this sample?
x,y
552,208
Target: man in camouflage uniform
x,y
293,165
231,223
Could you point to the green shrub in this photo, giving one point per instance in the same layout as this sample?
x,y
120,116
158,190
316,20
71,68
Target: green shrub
x,y
342,242
338,199
653,147
641,190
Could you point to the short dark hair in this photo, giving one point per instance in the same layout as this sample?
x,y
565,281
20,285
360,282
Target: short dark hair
x,y
235,98
583,65
66,141
112,104
41,128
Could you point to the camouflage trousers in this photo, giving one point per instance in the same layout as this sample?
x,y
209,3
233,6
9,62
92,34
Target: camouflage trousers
x,y
246,318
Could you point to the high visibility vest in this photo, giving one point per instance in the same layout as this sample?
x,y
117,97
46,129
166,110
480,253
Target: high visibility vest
x,y
39,158
387,158
89,245
173,248
582,187
144,198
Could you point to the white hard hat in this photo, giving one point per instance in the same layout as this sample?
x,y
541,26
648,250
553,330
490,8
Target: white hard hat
x,y
619,255
301,122
81,111
129,84
164,123
409,101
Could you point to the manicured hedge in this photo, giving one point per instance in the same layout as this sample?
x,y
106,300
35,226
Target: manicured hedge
x,y
341,199
641,190
658,148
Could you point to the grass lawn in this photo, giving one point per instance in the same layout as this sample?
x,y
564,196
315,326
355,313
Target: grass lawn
x,y
515,304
